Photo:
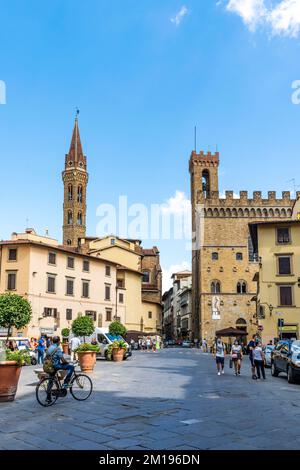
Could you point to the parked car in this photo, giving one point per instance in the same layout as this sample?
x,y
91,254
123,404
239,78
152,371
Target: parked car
x,y
104,339
268,354
286,358
187,344
170,342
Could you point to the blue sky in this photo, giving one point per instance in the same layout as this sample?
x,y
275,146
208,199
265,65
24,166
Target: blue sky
x,y
143,74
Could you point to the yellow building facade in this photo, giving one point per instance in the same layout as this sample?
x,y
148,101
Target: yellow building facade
x,y
142,313
60,283
278,279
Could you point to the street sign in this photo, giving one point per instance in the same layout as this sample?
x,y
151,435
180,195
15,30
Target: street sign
x,y
280,322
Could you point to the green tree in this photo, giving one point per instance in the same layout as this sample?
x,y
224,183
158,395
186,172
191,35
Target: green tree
x,y
83,326
65,332
15,311
117,328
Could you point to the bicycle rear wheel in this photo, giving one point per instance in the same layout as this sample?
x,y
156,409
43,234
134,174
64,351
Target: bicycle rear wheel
x,y
47,391
81,387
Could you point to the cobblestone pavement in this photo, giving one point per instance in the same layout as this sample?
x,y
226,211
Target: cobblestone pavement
x,y
172,399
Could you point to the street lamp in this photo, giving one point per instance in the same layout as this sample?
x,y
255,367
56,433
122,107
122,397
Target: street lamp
x,y
271,309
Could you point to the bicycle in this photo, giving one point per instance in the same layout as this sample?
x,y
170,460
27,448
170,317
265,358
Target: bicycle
x,y
49,389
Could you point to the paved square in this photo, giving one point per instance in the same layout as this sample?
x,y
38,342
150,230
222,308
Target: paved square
x,y
172,399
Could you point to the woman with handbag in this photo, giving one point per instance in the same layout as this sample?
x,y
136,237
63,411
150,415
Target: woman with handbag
x,y
237,356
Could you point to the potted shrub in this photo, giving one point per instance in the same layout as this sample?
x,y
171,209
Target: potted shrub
x,y
116,328
65,332
15,312
117,350
83,327
87,356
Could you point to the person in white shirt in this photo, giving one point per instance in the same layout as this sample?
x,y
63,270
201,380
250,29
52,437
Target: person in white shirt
x,y
74,343
237,356
259,360
220,355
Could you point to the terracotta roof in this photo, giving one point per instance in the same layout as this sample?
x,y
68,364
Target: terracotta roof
x,y
62,248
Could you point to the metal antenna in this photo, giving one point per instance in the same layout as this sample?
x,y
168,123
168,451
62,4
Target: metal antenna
x,y
293,180
195,139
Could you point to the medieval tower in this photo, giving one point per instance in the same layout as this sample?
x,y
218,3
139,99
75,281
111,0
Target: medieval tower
x,y
75,179
223,262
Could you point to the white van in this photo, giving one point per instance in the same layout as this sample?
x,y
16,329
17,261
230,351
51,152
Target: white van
x,y
104,339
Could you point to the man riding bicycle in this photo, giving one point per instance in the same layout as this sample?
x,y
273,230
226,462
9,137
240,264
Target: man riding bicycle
x,y
59,362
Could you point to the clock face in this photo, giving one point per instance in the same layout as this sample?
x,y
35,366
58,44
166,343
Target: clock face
x,y
80,164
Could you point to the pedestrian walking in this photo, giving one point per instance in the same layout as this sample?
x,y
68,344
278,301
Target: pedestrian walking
x,y
220,356
74,343
148,344
259,360
237,356
250,347
41,350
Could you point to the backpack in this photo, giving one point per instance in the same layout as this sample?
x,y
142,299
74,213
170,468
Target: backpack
x,y
48,365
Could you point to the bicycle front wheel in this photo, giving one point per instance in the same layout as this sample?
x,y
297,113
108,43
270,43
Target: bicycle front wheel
x,y
47,391
81,387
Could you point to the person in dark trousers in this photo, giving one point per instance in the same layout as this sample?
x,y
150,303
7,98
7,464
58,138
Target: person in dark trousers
x,y
41,350
59,361
250,347
259,360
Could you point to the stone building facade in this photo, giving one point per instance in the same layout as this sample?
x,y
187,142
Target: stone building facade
x,y
223,262
152,275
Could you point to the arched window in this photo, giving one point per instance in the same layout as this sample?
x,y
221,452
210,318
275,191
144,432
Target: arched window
x,y
215,287
70,218
241,287
79,218
69,242
70,192
79,194
146,277
205,183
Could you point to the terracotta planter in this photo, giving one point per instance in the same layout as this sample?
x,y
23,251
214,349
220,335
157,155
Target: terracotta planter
x,y
87,360
65,347
9,378
118,354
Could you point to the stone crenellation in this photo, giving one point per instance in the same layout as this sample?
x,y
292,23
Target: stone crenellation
x,y
243,199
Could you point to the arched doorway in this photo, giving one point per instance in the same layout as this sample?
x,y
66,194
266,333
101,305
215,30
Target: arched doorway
x,y
241,324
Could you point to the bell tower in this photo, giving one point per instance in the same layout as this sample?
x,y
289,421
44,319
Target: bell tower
x,y
75,179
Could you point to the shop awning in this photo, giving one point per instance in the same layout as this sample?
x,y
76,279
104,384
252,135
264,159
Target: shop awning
x,y
231,332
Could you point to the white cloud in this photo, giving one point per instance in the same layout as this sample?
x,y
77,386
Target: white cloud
x,y
285,18
251,11
177,19
178,204
281,17
174,268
